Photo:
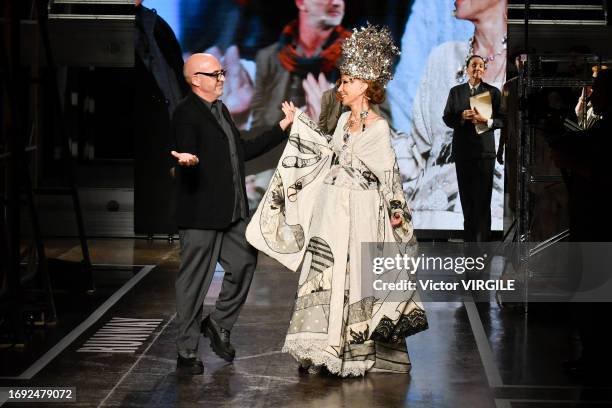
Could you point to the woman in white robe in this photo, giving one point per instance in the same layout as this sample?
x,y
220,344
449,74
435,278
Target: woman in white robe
x,y
329,196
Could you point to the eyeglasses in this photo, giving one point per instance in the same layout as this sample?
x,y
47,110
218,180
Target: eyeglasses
x,y
216,74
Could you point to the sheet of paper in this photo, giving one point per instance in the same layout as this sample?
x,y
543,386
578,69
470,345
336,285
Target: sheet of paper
x,y
484,105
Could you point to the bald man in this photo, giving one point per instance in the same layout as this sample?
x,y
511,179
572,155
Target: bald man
x,y
211,210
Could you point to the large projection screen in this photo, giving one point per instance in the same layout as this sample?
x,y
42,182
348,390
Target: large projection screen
x,y
435,37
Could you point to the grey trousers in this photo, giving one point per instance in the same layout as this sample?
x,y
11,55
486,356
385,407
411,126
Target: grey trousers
x,y
200,251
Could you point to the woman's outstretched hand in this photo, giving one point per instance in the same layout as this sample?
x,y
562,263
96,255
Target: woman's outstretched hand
x,y
396,220
289,111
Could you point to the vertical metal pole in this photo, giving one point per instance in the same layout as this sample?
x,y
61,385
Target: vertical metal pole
x,y
15,158
526,27
43,269
525,161
70,166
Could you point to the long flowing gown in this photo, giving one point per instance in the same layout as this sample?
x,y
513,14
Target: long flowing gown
x,y
329,196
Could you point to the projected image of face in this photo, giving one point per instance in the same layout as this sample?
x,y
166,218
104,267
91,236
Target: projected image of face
x,y
472,9
323,13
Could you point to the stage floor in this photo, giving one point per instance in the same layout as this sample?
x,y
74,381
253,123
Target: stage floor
x,y
473,355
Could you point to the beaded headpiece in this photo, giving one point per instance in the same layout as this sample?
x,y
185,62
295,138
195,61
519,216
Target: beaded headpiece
x,y
368,54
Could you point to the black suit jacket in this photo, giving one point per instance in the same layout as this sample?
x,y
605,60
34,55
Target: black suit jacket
x,y
205,192
467,144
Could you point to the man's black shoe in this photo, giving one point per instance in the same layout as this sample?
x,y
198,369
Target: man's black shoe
x,y
219,339
189,366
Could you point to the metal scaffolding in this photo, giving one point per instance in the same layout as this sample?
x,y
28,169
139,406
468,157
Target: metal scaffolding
x,y
534,78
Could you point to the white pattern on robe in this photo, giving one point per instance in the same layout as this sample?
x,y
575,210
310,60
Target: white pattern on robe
x,y
326,198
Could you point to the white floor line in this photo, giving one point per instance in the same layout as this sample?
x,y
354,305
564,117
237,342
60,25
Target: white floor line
x,y
271,353
81,328
124,376
482,342
273,377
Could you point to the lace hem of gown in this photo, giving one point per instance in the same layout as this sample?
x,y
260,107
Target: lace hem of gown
x,y
313,352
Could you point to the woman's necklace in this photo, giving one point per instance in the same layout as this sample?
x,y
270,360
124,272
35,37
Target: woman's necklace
x,y
351,122
490,57
462,70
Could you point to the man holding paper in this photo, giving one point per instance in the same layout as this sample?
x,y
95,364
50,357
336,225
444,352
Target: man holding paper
x,y
473,112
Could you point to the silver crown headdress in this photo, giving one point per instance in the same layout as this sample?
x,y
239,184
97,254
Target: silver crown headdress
x,y
368,54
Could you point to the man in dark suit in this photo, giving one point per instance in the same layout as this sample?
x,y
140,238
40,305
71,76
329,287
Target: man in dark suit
x,y
474,153
211,210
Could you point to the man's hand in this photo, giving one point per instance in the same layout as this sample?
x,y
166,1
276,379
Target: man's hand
x,y
467,114
478,118
289,111
186,159
313,89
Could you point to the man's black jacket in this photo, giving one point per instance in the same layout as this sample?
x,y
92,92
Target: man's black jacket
x,y
205,192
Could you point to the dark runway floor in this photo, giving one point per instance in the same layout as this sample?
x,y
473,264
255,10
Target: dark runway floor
x,y
473,355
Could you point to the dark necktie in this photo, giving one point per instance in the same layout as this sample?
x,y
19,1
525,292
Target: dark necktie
x,y
472,90
216,110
